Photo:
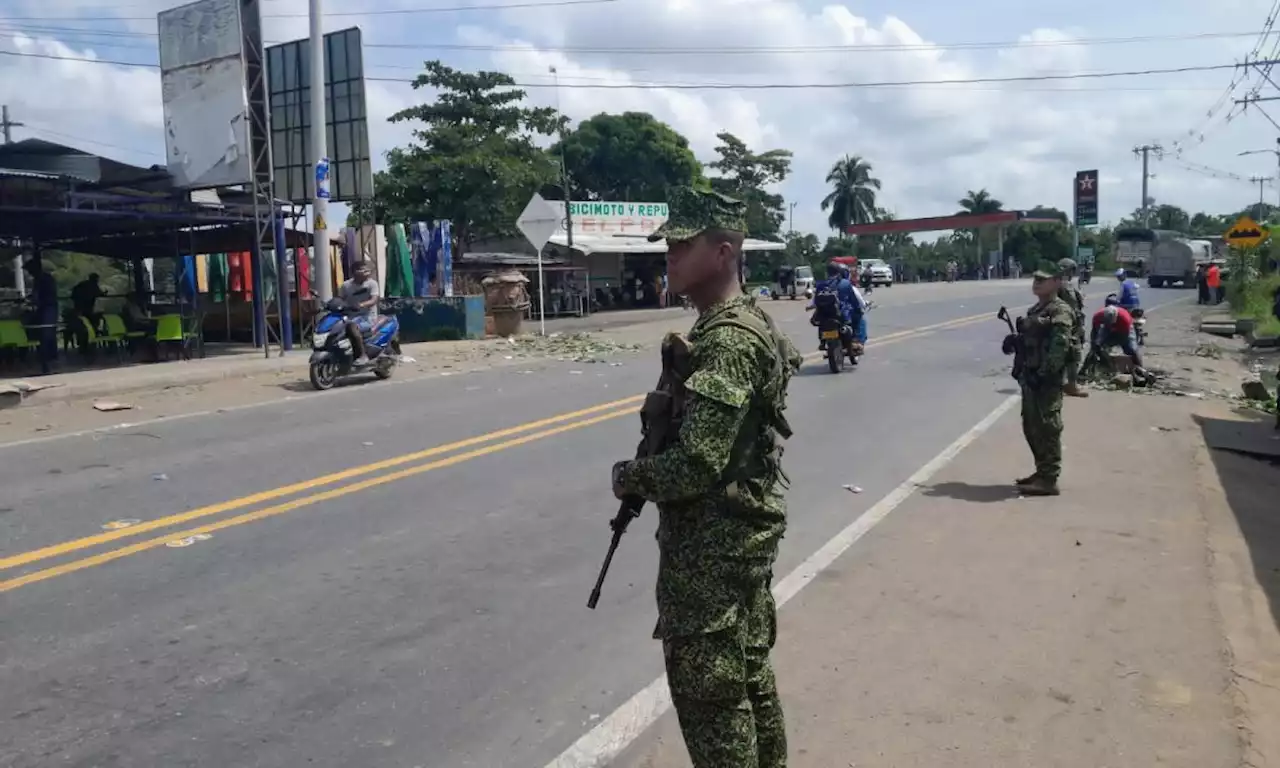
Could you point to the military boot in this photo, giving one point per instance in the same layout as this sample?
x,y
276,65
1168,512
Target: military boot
x,y
1040,487
1075,390
1031,478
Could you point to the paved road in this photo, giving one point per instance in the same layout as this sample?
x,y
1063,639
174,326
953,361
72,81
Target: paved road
x,y
425,606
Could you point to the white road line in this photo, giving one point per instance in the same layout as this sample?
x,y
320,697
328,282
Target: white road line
x,y
624,725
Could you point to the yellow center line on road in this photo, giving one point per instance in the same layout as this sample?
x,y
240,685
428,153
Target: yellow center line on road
x,y
288,506
306,485
606,411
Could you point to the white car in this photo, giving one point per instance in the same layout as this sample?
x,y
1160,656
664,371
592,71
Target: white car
x,y
881,273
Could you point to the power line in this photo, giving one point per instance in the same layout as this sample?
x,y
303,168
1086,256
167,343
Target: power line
x,y
745,86
1200,132
372,12
661,51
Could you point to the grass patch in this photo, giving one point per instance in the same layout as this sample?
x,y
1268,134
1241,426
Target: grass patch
x,y
1254,299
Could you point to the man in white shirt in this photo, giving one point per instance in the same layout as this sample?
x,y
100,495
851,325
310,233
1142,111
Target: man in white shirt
x,y
360,294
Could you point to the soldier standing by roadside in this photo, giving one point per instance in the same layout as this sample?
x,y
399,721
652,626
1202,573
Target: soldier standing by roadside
x,y
1074,299
1047,342
719,494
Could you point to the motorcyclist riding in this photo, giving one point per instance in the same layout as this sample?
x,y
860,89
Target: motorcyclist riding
x,y
360,294
849,301
1128,291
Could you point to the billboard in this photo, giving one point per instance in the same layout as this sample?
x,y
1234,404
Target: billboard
x,y
1086,198
202,83
289,96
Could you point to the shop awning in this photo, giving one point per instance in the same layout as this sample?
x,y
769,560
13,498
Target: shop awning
x,y
589,244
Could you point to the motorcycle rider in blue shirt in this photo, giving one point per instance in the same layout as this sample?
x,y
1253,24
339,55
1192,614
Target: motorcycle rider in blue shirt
x,y
1128,291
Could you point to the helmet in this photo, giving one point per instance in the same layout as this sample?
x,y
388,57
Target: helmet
x,y
833,269
1112,300
1120,275
1110,313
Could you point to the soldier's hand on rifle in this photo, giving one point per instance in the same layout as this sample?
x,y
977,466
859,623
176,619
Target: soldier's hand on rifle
x,y
619,468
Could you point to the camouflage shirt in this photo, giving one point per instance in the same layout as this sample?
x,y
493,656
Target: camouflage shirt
x,y
713,541
1075,300
1049,328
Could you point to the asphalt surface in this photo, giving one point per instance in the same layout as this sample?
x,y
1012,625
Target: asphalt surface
x,y
429,611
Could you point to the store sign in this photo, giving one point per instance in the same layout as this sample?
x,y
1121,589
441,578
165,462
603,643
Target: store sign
x,y
605,218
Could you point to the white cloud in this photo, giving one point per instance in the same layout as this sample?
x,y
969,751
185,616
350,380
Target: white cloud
x,y
928,143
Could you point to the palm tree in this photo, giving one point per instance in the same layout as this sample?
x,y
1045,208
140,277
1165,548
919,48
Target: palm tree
x,y
980,202
852,199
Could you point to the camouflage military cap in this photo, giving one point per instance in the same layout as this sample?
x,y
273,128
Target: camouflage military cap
x,y
693,211
1066,266
1047,271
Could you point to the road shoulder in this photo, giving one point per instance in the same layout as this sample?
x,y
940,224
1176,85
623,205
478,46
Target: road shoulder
x,y
1120,624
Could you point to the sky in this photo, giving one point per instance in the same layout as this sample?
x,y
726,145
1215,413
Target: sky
x,y
928,142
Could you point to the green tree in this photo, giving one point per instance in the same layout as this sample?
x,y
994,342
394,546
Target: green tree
x,y
473,160
745,175
630,157
852,199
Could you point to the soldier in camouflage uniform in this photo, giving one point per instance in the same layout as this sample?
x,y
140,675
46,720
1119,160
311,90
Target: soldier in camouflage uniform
x,y
1047,341
718,489
1074,299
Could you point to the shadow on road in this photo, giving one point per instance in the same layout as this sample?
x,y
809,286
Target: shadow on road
x,y
1247,457
981,494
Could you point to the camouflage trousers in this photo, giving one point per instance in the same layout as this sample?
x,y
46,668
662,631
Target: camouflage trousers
x,y
724,691
1075,357
1042,426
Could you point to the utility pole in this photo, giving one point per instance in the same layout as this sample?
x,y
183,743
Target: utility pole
x,y
564,168
1145,150
6,124
1261,181
791,219
319,137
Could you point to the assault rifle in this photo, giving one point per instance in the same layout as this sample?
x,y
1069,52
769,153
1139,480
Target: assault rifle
x,y
659,424
1014,343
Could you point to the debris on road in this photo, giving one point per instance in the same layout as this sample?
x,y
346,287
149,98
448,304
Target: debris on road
x,y
189,540
116,525
576,347
852,488
111,405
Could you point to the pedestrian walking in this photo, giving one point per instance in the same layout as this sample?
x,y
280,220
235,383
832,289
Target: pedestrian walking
x,y
1046,342
718,489
1202,284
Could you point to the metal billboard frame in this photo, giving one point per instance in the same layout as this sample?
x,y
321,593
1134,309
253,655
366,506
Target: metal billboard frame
x,y
202,63
346,118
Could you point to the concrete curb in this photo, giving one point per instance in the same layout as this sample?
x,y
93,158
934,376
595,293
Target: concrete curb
x,y
160,380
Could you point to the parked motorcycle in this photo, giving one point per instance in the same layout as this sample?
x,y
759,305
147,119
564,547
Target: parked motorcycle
x,y
1085,274
1140,326
333,356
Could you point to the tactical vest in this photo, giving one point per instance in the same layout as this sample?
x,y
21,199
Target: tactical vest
x,y
758,450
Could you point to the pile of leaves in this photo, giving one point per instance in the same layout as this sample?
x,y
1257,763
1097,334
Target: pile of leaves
x,y
575,347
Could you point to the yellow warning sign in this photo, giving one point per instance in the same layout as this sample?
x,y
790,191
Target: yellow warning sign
x,y
1246,233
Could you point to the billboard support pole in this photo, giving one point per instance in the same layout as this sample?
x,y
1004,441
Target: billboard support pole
x,y
320,202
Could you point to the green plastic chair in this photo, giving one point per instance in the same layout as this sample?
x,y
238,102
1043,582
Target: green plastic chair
x,y
169,332
14,336
116,329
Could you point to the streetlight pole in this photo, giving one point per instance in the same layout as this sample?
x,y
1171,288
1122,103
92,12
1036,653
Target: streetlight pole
x,y
1275,152
791,219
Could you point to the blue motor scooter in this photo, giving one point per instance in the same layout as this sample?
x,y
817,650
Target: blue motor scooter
x,y
333,356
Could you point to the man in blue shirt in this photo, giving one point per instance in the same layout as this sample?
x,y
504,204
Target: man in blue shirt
x,y
1128,291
